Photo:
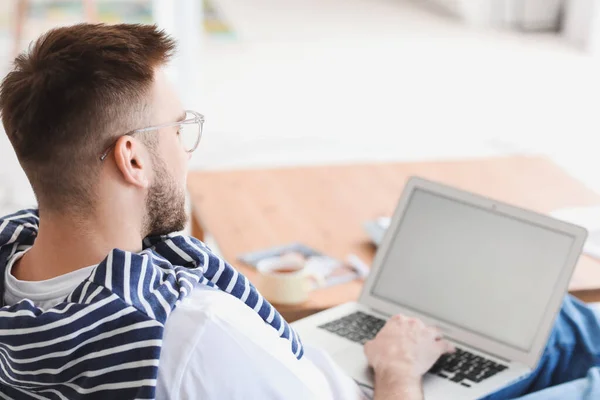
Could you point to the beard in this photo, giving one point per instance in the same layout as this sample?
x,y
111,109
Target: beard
x,y
165,203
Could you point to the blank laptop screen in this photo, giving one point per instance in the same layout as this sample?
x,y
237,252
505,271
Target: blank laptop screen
x,y
475,268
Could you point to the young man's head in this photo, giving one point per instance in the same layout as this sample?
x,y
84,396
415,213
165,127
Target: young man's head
x,y
78,94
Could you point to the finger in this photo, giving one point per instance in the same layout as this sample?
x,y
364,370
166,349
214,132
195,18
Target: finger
x,y
446,347
450,348
398,317
437,334
419,324
434,333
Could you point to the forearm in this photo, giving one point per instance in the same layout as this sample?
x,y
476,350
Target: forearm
x,y
397,386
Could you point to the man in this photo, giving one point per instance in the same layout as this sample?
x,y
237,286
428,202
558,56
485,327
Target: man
x,y
92,309
89,310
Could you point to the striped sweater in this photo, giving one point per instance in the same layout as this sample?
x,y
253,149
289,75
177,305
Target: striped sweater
x,y
104,340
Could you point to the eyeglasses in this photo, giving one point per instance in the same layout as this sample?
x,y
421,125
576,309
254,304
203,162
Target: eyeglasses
x,y
190,132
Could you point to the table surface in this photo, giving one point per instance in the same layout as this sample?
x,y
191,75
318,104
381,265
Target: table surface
x,y
325,207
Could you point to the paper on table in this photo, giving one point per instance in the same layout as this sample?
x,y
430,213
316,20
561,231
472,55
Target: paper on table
x,y
587,217
332,271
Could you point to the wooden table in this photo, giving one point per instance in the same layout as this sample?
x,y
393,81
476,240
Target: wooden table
x,y
325,207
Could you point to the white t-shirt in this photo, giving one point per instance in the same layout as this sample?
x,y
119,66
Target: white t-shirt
x,y
215,347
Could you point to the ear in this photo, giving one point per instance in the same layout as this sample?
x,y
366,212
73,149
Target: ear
x,y
131,160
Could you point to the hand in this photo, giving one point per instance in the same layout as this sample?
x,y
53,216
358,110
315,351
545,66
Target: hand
x,y
406,347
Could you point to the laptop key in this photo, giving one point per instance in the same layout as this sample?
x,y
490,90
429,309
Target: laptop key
x,y
354,337
435,370
474,376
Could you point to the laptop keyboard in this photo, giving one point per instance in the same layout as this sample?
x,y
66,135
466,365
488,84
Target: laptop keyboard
x,y
466,368
358,327
461,367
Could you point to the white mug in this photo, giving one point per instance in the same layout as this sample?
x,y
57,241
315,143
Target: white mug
x,y
285,280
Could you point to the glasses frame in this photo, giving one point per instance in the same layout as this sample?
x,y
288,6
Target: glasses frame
x,y
197,119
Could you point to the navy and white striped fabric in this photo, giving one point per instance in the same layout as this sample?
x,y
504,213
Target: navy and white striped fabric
x,y
104,340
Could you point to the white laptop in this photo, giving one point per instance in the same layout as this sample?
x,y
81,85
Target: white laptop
x,y
489,275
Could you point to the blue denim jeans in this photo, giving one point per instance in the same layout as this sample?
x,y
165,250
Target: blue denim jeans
x,y
570,366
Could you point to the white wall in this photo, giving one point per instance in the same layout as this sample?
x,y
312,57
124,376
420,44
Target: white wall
x,y
582,24
15,191
520,14
183,20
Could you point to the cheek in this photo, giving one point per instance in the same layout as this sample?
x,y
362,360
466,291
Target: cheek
x,y
183,171
177,160
181,163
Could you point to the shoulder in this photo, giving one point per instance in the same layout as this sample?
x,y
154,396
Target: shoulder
x,y
214,346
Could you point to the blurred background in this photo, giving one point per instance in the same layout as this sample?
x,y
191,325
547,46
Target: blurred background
x,y
296,82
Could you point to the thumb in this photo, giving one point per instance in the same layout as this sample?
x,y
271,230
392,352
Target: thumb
x,y
367,347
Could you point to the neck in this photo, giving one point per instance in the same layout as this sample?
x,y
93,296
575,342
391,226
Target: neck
x,y
67,243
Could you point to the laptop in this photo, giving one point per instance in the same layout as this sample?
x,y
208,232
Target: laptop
x,y
489,275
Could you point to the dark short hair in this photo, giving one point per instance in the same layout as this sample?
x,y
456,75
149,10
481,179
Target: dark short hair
x,y
70,95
